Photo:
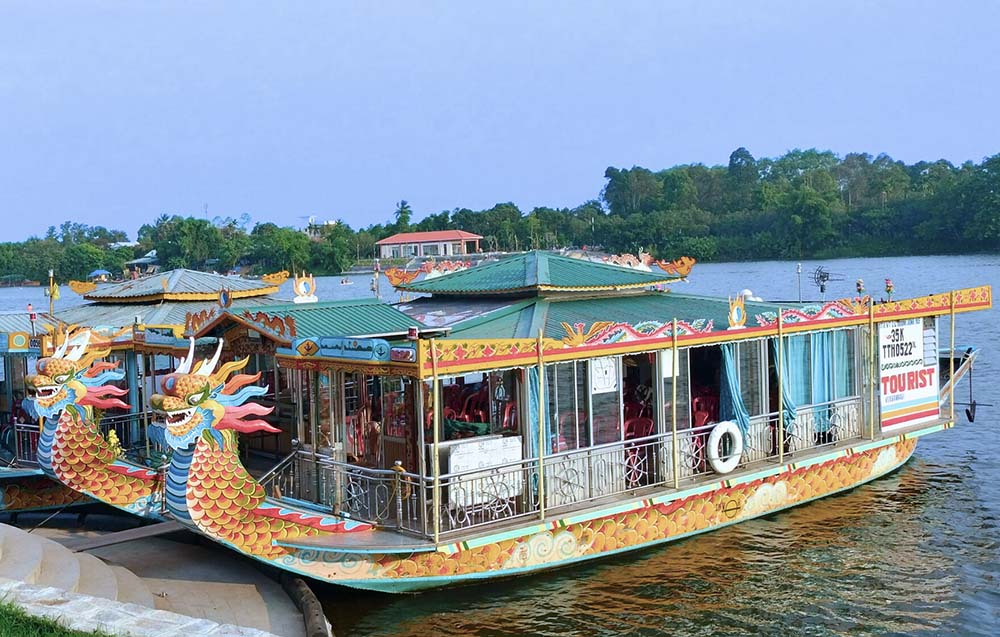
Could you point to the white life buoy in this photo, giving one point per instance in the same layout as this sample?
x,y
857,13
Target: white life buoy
x,y
719,463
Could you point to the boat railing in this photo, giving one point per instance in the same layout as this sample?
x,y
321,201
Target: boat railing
x,y
481,497
24,443
387,497
591,473
129,428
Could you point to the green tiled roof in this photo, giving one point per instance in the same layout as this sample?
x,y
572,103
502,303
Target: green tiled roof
x,y
118,315
361,317
534,272
179,284
523,320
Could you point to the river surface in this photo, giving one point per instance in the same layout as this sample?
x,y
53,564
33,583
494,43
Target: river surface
x,y
914,553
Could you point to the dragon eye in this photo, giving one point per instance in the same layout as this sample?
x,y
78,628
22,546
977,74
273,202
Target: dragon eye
x,y
194,399
61,378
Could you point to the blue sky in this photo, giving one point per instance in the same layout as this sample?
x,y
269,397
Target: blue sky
x,y
113,113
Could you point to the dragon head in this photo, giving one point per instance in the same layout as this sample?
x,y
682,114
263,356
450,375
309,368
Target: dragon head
x,y
73,376
200,401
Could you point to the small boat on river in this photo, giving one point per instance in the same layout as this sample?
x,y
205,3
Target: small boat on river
x,y
524,414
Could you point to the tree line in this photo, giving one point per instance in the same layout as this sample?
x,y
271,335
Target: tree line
x,y
803,204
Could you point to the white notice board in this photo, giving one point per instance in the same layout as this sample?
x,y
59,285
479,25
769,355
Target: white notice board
x,y
908,385
483,453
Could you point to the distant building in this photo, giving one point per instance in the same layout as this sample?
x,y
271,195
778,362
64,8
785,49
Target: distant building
x,y
318,229
428,244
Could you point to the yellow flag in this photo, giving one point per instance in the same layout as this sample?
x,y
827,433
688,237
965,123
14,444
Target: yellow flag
x,y
54,291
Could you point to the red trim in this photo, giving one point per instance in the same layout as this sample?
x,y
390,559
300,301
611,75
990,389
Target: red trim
x,y
908,417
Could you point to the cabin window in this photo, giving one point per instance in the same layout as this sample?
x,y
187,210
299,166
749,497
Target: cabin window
x,y
605,399
753,385
637,398
680,376
567,403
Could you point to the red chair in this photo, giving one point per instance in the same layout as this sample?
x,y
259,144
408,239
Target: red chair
x,y
638,428
509,417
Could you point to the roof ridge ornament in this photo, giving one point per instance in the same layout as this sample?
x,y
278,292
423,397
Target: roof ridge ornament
x,y
305,289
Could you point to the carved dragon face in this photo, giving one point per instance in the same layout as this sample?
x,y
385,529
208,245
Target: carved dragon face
x,y
72,377
198,401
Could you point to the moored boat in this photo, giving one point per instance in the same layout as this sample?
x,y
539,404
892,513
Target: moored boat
x,y
535,412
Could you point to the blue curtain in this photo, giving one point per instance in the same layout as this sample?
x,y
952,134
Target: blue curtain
x,y
533,401
731,405
821,346
843,363
788,403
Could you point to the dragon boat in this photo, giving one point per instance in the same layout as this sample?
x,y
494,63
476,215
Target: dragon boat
x,y
23,485
525,414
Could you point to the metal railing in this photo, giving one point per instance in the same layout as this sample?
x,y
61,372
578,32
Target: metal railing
x,y
387,497
22,439
481,497
486,496
572,477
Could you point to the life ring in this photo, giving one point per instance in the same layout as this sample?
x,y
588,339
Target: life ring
x,y
715,458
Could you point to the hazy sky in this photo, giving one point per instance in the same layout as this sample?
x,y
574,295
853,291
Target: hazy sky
x,y
113,113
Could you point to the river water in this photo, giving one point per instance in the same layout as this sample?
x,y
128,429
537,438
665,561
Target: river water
x,y
916,552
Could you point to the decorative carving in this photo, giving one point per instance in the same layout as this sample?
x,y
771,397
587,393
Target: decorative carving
x,y
82,287
305,289
399,276
281,326
605,332
194,321
737,313
275,278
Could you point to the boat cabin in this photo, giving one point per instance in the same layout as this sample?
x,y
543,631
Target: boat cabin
x,y
541,384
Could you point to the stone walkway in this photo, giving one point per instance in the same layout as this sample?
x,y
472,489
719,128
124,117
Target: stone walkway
x,y
205,582
86,613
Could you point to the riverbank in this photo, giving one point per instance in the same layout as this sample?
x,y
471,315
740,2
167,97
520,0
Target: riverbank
x,y
15,622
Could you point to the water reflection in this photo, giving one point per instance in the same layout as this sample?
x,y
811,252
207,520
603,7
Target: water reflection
x,y
866,561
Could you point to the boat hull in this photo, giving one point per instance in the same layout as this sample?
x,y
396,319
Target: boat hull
x,y
622,527
24,490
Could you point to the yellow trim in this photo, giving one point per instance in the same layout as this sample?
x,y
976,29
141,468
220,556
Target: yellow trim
x,y
557,352
183,296
909,410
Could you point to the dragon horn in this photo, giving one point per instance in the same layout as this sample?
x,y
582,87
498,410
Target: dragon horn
x,y
209,366
80,347
61,350
185,366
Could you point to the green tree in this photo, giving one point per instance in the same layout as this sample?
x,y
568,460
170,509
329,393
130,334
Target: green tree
x,y
403,215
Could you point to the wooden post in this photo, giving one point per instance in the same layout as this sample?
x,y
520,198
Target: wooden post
x,y
673,405
436,440
873,371
541,427
951,359
781,390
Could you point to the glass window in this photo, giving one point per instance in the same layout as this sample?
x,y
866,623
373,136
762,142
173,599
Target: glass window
x,y
752,379
681,377
567,395
605,399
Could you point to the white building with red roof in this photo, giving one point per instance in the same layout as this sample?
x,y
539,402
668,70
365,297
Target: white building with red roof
x,y
428,244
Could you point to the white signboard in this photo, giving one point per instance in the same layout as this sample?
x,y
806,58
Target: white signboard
x,y
603,375
908,385
486,486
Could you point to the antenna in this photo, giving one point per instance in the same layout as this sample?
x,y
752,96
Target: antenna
x,y
821,277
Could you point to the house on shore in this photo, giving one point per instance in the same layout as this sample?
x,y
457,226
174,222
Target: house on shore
x,y
428,244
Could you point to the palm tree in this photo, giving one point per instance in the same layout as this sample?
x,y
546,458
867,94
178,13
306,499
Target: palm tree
x,y
403,214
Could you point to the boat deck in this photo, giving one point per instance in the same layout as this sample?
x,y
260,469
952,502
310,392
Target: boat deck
x,y
386,541
375,541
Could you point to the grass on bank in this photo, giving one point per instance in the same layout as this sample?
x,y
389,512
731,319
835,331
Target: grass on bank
x,y
14,622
